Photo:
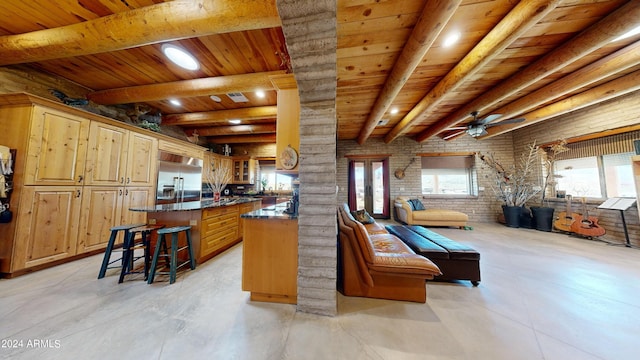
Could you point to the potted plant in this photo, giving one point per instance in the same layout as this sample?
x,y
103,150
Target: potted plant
x,y
543,215
512,184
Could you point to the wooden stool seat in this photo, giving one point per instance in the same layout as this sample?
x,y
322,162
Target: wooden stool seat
x,y
110,245
173,253
130,246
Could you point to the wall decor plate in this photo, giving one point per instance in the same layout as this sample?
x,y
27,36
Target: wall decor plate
x,y
289,158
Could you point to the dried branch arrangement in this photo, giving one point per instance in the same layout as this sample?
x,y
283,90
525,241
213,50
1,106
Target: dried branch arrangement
x,y
512,185
218,178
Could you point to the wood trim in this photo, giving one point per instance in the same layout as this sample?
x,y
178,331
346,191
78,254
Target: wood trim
x,y
367,156
596,135
466,153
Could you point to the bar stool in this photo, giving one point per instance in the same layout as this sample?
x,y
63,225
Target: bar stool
x,y
112,239
130,246
173,254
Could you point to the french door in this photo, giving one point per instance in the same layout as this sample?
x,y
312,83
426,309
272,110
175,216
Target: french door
x,y
369,186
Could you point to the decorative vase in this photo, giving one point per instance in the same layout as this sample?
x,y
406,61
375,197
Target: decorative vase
x,y
512,215
543,218
216,196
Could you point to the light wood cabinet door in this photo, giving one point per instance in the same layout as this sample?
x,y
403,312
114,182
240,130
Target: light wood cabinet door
x,y
47,225
142,160
101,210
107,156
120,157
136,197
243,171
57,148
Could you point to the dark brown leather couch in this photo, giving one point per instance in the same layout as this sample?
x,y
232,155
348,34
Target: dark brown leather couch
x,y
377,264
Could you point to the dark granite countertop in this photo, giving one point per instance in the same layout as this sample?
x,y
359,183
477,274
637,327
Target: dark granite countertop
x,y
194,205
270,212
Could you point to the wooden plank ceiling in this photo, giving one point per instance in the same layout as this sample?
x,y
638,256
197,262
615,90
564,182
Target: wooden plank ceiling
x,y
533,59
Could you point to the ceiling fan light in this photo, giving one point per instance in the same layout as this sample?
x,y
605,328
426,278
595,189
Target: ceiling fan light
x,y
180,57
475,131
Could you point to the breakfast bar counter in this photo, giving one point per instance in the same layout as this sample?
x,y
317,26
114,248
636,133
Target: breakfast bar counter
x,y
270,255
215,225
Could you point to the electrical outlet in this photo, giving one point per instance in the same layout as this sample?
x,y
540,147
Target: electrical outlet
x,y
401,189
193,222
152,221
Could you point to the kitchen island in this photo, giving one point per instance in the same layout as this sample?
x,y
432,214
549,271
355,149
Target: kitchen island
x,y
215,225
270,255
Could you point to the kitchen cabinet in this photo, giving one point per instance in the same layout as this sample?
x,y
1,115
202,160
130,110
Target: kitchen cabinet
x,y
287,128
270,259
119,157
218,161
243,209
106,206
57,148
47,224
243,171
219,228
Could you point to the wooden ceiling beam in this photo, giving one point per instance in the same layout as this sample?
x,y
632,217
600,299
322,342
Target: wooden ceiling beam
x,y
221,116
186,88
162,22
243,139
612,89
593,38
522,17
612,64
434,17
234,130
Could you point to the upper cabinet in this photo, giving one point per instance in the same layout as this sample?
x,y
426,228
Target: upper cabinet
x,y
120,157
287,125
57,148
244,170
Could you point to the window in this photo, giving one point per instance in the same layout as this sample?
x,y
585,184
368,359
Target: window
x,y
275,181
448,175
597,176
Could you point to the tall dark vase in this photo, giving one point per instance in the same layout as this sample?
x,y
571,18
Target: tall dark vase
x,y
542,218
512,215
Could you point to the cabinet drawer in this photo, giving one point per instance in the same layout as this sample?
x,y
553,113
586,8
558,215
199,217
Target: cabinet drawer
x,y
224,210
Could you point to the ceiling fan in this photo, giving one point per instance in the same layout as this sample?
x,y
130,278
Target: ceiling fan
x,y
478,127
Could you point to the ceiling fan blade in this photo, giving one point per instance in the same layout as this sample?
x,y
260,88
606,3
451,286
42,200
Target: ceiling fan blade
x,y
505,122
490,118
458,128
454,134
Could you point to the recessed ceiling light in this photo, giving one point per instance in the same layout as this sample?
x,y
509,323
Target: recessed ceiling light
x,y
451,39
180,57
215,98
628,34
394,111
175,102
235,121
260,94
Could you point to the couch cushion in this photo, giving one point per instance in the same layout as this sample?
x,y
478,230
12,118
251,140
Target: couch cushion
x,y
455,249
416,204
439,215
375,228
362,216
418,243
360,232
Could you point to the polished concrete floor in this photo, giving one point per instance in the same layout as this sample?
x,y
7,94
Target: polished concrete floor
x,y
542,296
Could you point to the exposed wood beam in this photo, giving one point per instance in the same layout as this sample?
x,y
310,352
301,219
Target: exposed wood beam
x,y
595,37
434,17
522,17
235,130
238,139
616,62
607,91
185,88
221,116
147,25
596,135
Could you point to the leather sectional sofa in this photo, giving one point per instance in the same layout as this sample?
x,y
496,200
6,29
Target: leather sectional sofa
x,y
374,263
429,216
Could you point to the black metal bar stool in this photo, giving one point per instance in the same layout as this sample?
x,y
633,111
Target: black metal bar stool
x,y
173,253
112,239
131,245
